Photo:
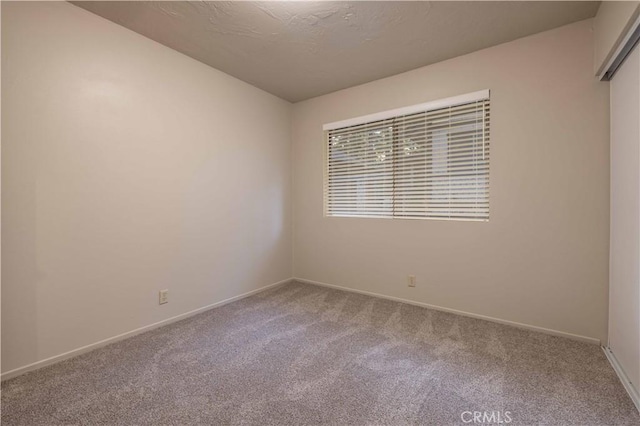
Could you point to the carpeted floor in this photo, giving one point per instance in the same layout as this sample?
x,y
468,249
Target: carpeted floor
x,y
301,354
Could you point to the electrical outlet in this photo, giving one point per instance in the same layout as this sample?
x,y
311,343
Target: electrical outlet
x,y
164,297
411,280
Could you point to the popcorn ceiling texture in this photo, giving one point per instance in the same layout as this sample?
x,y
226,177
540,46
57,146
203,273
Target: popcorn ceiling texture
x,y
302,354
298,50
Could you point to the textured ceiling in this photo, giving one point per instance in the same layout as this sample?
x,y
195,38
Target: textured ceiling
x,y
298,50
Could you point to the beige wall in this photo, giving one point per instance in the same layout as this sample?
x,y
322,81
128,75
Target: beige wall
x,y
128,168
624,292
610,26
542,259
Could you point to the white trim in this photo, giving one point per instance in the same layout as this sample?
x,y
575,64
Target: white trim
x,y
457,312
75,352
619,49
631,390
428,106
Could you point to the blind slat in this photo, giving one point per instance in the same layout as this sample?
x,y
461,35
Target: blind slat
x,y
429,164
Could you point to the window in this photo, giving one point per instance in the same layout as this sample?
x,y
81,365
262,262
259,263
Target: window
x,y
425,161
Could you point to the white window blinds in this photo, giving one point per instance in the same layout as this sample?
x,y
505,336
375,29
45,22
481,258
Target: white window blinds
x,y
426,161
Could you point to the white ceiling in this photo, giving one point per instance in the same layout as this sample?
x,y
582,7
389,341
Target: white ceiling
x,y
298,50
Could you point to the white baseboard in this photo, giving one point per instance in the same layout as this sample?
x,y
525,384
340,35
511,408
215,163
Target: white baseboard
x,y
455,311
75,352
57,358
631,390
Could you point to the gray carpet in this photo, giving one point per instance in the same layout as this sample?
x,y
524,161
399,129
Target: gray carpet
x,y
301,354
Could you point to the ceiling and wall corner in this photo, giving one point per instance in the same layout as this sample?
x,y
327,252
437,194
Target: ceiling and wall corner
x,y
300,50
542,258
